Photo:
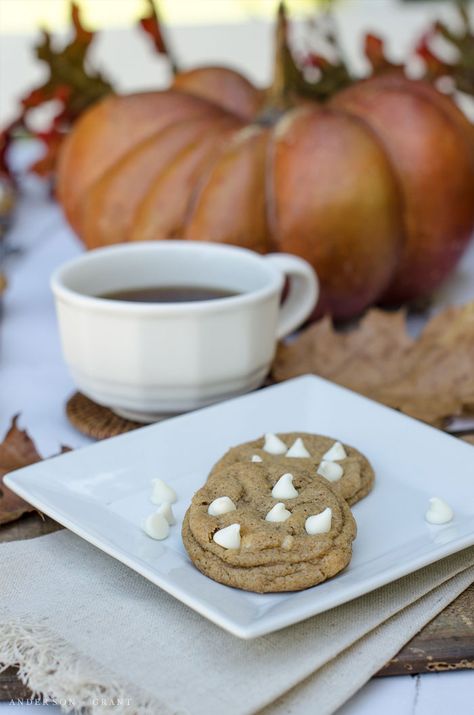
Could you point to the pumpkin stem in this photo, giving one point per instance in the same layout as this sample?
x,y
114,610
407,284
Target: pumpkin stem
x,y
286,75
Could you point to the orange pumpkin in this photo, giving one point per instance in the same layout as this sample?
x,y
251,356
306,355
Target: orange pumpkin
x,y
375,187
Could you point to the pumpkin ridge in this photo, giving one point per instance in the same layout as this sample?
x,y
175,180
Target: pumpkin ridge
x,y
227,141
224,86
285,120
421,88
421,142
334,203
363,123
107,130
233,187
153,213
110,205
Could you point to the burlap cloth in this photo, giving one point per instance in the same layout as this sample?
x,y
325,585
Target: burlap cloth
x,y
91,633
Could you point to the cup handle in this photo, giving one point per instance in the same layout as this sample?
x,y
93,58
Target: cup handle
x,y
303,291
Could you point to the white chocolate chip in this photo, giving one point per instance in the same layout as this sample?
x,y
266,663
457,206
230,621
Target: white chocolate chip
x,y
221,505
162,493
298,449
439,512
229,537
166,510
284,488
287,542
278,513
319,523
335,453
330,471
156,526
274,445
256,458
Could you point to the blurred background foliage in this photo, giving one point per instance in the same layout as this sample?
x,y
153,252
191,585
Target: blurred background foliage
x,y
19,16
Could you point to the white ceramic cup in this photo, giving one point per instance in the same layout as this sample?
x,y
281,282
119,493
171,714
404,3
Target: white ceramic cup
x,y
148,359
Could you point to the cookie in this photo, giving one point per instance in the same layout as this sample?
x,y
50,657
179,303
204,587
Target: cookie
x,y
237,545
353,484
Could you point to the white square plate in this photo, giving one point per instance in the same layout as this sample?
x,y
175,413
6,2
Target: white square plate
x,y
102,493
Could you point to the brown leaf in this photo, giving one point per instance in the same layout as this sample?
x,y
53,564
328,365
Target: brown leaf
x,y
17,450
361,359
461,42
152,25
437,380
430,378
375,52
70,81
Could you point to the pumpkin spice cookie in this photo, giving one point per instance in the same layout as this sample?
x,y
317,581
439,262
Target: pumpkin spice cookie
x,y
257,527
349,472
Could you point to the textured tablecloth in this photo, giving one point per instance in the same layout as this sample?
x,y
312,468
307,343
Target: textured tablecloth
x,y
87,629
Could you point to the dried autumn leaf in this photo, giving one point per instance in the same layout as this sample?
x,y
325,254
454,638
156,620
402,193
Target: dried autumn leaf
x,y
430,378
151,24
322,52
70,79
438,379
461,41
17,450
375,52
434,66
52,140
361,359
71,83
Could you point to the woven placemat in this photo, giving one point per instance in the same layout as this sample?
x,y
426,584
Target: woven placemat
x,y
94,420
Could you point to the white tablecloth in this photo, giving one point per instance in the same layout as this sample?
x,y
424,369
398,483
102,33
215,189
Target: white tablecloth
x,y
35,382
